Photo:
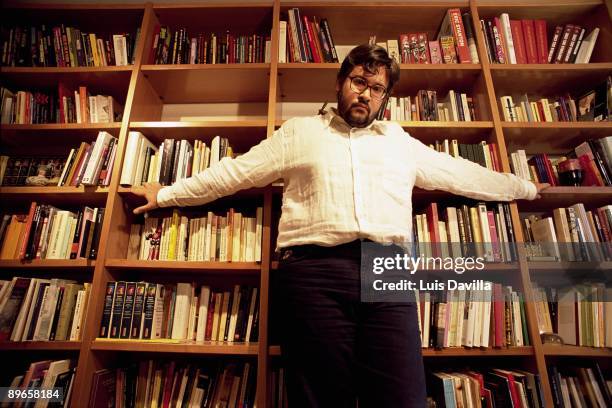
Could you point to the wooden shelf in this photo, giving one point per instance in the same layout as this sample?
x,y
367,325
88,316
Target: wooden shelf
x,y
551,137
34,139
242,134
208,83
541,266
63,264
322,78
547,79
254,194
99,80
151,346
20,195
183,266
576,351
39,345
457,352
561,196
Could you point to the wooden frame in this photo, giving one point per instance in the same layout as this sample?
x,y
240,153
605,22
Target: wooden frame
x,y
145,88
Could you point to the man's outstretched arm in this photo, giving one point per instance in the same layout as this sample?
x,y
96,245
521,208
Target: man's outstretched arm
x,y
258,167
441,171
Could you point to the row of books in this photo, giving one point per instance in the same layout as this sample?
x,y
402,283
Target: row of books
x,y
149,311
161,383
594,155
571,234
231,237
65,46
173,160
79,106
89,165
180,48
305,40
48,232
42,309
479,230
573,386
483,153
424,106
579,314
493,387
593,106
525,41
55,375
455,43
477,317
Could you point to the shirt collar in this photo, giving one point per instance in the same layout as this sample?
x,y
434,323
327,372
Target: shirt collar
x,y
332,116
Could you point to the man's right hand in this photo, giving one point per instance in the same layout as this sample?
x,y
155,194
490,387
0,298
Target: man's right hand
x,y
149,192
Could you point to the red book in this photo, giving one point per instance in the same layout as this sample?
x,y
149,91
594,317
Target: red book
x,y
503,47
516,401
541,41
210,316
498,311
571,44
494,241
463,51
62,91
530,41
26,234
591,174
554,44
549,170
518,38
313,49
434,231
494,158
168,385
564,42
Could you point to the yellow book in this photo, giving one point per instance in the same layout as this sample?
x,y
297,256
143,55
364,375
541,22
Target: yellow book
x,y
94,50
173,235
476,232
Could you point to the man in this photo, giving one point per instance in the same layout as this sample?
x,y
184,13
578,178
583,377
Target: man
x,y
348,178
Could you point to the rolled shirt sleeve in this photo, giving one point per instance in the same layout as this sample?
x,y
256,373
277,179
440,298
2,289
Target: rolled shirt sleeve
x,y
441,171
258,167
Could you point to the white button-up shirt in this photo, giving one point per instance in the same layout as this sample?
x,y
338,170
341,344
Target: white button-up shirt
x,y
343,183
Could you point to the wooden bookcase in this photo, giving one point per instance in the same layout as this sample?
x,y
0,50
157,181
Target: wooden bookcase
x,y
260,90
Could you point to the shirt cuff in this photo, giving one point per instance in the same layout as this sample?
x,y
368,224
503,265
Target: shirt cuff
x,y
165,197
532,190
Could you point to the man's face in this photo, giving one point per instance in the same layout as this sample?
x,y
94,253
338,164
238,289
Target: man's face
x,y
359,110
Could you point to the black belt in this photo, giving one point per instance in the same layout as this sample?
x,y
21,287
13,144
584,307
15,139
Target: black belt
x,y
348,249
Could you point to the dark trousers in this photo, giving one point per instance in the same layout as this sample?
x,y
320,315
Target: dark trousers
x,y
336,349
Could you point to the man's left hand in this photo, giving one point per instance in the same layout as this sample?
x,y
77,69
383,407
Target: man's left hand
x,y
540,187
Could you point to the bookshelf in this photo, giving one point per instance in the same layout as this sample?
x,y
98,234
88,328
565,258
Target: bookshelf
x,y
246,103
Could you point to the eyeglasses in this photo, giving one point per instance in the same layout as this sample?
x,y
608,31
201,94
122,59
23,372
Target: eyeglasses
x,y
360,84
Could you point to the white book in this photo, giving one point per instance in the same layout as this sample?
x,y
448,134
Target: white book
x,y
191,328
181,311
468,335
252,307
478,309
215,146
282,44
141,158
158,312
486,317
518,327
234,313
208,237
258,233
59,224
77,316
505,23
460,317
69,237
24,310
128,171
466,108
118,42
586,48
55,369
47,310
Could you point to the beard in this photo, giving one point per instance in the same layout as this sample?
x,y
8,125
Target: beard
x,y
357,114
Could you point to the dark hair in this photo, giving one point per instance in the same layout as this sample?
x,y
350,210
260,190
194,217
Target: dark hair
x,y
370,57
